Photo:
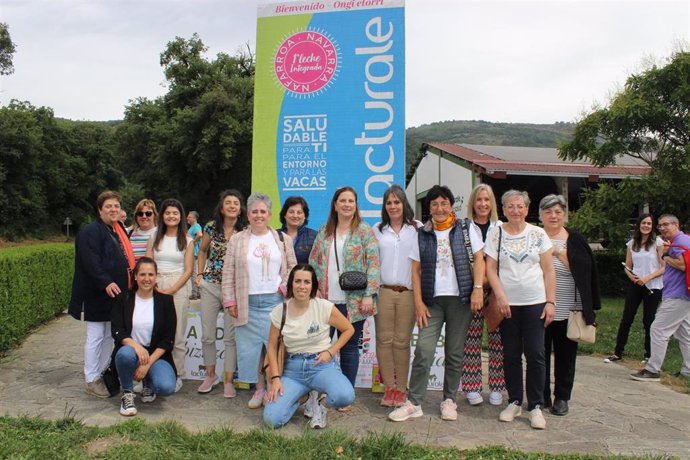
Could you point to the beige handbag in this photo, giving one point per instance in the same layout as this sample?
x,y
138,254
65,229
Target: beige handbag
x,y
578,330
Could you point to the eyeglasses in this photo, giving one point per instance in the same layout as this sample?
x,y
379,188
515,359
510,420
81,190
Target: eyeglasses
x,y
665,224
144,213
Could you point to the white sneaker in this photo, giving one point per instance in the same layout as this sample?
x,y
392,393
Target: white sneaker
x,y
178,384
312,404
536,419
147,395
449,410
319,415
509,413
138,386
406,411
496,398
127,407
474,398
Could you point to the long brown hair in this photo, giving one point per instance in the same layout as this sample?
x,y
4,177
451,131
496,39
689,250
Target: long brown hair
x,y
181,227
332,221
399,193
637,234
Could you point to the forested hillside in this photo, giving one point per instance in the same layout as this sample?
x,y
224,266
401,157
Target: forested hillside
x,y
485,133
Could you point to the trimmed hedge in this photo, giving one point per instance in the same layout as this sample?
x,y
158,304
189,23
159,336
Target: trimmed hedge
x,y
612,279
35,285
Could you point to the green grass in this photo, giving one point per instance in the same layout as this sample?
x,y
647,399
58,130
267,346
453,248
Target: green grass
x,y
608,319
29,438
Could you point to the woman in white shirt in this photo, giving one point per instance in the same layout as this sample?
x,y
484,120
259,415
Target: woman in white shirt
x,y
397,236
525,291
173,251
644,267
309,366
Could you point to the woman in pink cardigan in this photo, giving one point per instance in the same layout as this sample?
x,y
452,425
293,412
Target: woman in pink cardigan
x,y
255,272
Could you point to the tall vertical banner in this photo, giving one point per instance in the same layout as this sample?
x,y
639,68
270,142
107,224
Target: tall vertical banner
x,y
329,102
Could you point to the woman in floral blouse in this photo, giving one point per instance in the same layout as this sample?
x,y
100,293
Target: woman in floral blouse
x,y
357,251
229,218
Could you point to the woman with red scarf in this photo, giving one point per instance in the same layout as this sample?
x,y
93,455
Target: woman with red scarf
x,y
103,261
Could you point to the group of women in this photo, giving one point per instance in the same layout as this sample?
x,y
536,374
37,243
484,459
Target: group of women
x,y
285,286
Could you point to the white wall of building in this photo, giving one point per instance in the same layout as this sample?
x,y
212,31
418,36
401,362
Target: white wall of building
x,y
434,170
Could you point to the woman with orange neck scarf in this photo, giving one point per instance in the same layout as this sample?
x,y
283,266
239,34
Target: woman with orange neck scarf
x,y
446,290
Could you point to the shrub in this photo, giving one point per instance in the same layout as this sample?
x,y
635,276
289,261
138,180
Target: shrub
x,y
35,285
612,279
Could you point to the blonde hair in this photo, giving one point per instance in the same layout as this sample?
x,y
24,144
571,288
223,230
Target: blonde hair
x,y
473,197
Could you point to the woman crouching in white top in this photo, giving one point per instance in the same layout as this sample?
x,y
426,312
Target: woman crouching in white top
x,y
173,251
309,365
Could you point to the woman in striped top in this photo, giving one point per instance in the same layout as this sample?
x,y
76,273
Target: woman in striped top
x,y
145,221
577,288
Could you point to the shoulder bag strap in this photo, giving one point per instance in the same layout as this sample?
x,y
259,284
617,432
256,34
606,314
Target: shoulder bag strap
x,y
498,254
282,320
466,237
335,249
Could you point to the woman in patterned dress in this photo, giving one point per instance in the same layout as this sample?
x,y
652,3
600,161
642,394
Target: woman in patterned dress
x,y
481,211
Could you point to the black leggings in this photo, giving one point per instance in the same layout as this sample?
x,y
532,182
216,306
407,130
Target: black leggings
x,y
650,302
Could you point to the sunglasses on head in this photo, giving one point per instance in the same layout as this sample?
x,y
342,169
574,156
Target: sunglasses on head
x,y
144,213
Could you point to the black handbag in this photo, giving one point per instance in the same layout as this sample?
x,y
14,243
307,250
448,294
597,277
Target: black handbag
x,y
352,280
110,379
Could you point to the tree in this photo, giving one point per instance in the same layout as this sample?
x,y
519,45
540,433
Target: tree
x,y
7,49
50,169
195,140
649,119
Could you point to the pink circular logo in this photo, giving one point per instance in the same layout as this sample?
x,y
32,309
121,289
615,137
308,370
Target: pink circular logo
x,y
306,62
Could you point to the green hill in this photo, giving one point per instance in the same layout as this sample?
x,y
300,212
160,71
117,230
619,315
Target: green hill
x,y
485,133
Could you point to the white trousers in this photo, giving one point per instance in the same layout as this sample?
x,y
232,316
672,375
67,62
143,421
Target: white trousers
x,y
672,318
97,349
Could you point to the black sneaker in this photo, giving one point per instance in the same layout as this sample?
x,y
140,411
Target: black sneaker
x,y
645,376
147,395
127,407
613,359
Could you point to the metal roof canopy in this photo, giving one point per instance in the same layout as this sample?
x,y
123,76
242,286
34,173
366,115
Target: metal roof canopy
x,y
499,161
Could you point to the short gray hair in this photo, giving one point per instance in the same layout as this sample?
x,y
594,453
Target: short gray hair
x,y
510,194
673,219
549,201
258,197
195,214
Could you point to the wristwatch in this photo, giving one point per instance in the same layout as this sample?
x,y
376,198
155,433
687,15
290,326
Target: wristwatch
x,y
478,286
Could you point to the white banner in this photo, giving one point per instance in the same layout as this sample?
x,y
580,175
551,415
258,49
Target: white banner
x,y
194,362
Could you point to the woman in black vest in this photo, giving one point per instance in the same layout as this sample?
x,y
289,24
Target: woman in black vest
x,y
444,287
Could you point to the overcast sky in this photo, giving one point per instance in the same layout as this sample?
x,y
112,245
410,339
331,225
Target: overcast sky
x,y
509,61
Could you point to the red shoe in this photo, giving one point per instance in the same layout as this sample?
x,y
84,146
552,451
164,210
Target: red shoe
x,y
388,397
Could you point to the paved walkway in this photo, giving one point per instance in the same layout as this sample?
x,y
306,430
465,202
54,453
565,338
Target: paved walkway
x,y
610,413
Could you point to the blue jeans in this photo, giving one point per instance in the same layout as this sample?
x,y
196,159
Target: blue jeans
x,y
300,376
349,354
252,337
522,333
161,377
